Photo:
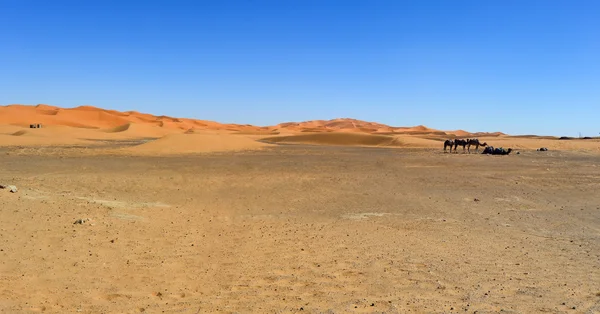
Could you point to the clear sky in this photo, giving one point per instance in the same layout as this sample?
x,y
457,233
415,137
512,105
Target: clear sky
x,y
517,66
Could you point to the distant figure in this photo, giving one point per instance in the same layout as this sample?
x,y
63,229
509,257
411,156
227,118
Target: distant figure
x,y
462,143
448,143
543,149
474,142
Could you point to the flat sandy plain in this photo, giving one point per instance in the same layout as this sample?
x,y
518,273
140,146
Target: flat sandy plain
x,y
301,229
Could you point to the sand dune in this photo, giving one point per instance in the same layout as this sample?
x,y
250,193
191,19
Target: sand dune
x,y
97,118
417,142
9,129
11,135
53,135
352,126
355,139
27,137
346,139
258,132
195,143
77,126
21,132
89,118
136,130
121,128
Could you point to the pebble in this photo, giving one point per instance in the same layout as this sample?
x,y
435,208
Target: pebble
x,y
81,221
10,188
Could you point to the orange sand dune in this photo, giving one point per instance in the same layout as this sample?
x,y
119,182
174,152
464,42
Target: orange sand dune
x,y
88,125
346,139
76,126
258,132
82,117
6,129
347,125
97,118
414,141
12,135
19,136
459,133
89,117
64,133
136,130
196,143
354,139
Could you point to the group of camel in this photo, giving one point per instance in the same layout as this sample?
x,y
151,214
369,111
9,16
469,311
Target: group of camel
x,y
464,143
475,142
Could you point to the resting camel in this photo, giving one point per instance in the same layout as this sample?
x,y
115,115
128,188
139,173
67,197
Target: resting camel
x,y
474,142
496,151
448,143
462,143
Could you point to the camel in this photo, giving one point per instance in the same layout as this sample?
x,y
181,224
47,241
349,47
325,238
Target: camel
x,y
496,151
462,143
502,151
448,143
475,142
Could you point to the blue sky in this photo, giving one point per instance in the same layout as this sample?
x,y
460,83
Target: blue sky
x,y
521,67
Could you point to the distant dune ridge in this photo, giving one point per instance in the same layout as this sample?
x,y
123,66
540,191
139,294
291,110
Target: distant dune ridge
x,y
97,118
87,125
350,139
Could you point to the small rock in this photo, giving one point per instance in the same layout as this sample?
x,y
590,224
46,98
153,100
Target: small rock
x,y
11,188
81,221
476,200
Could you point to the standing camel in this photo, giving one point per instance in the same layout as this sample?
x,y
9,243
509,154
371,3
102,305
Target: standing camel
x,y
448,143
475,142
462,143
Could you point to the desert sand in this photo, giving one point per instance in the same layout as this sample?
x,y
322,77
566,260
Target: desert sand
x,y
193,216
